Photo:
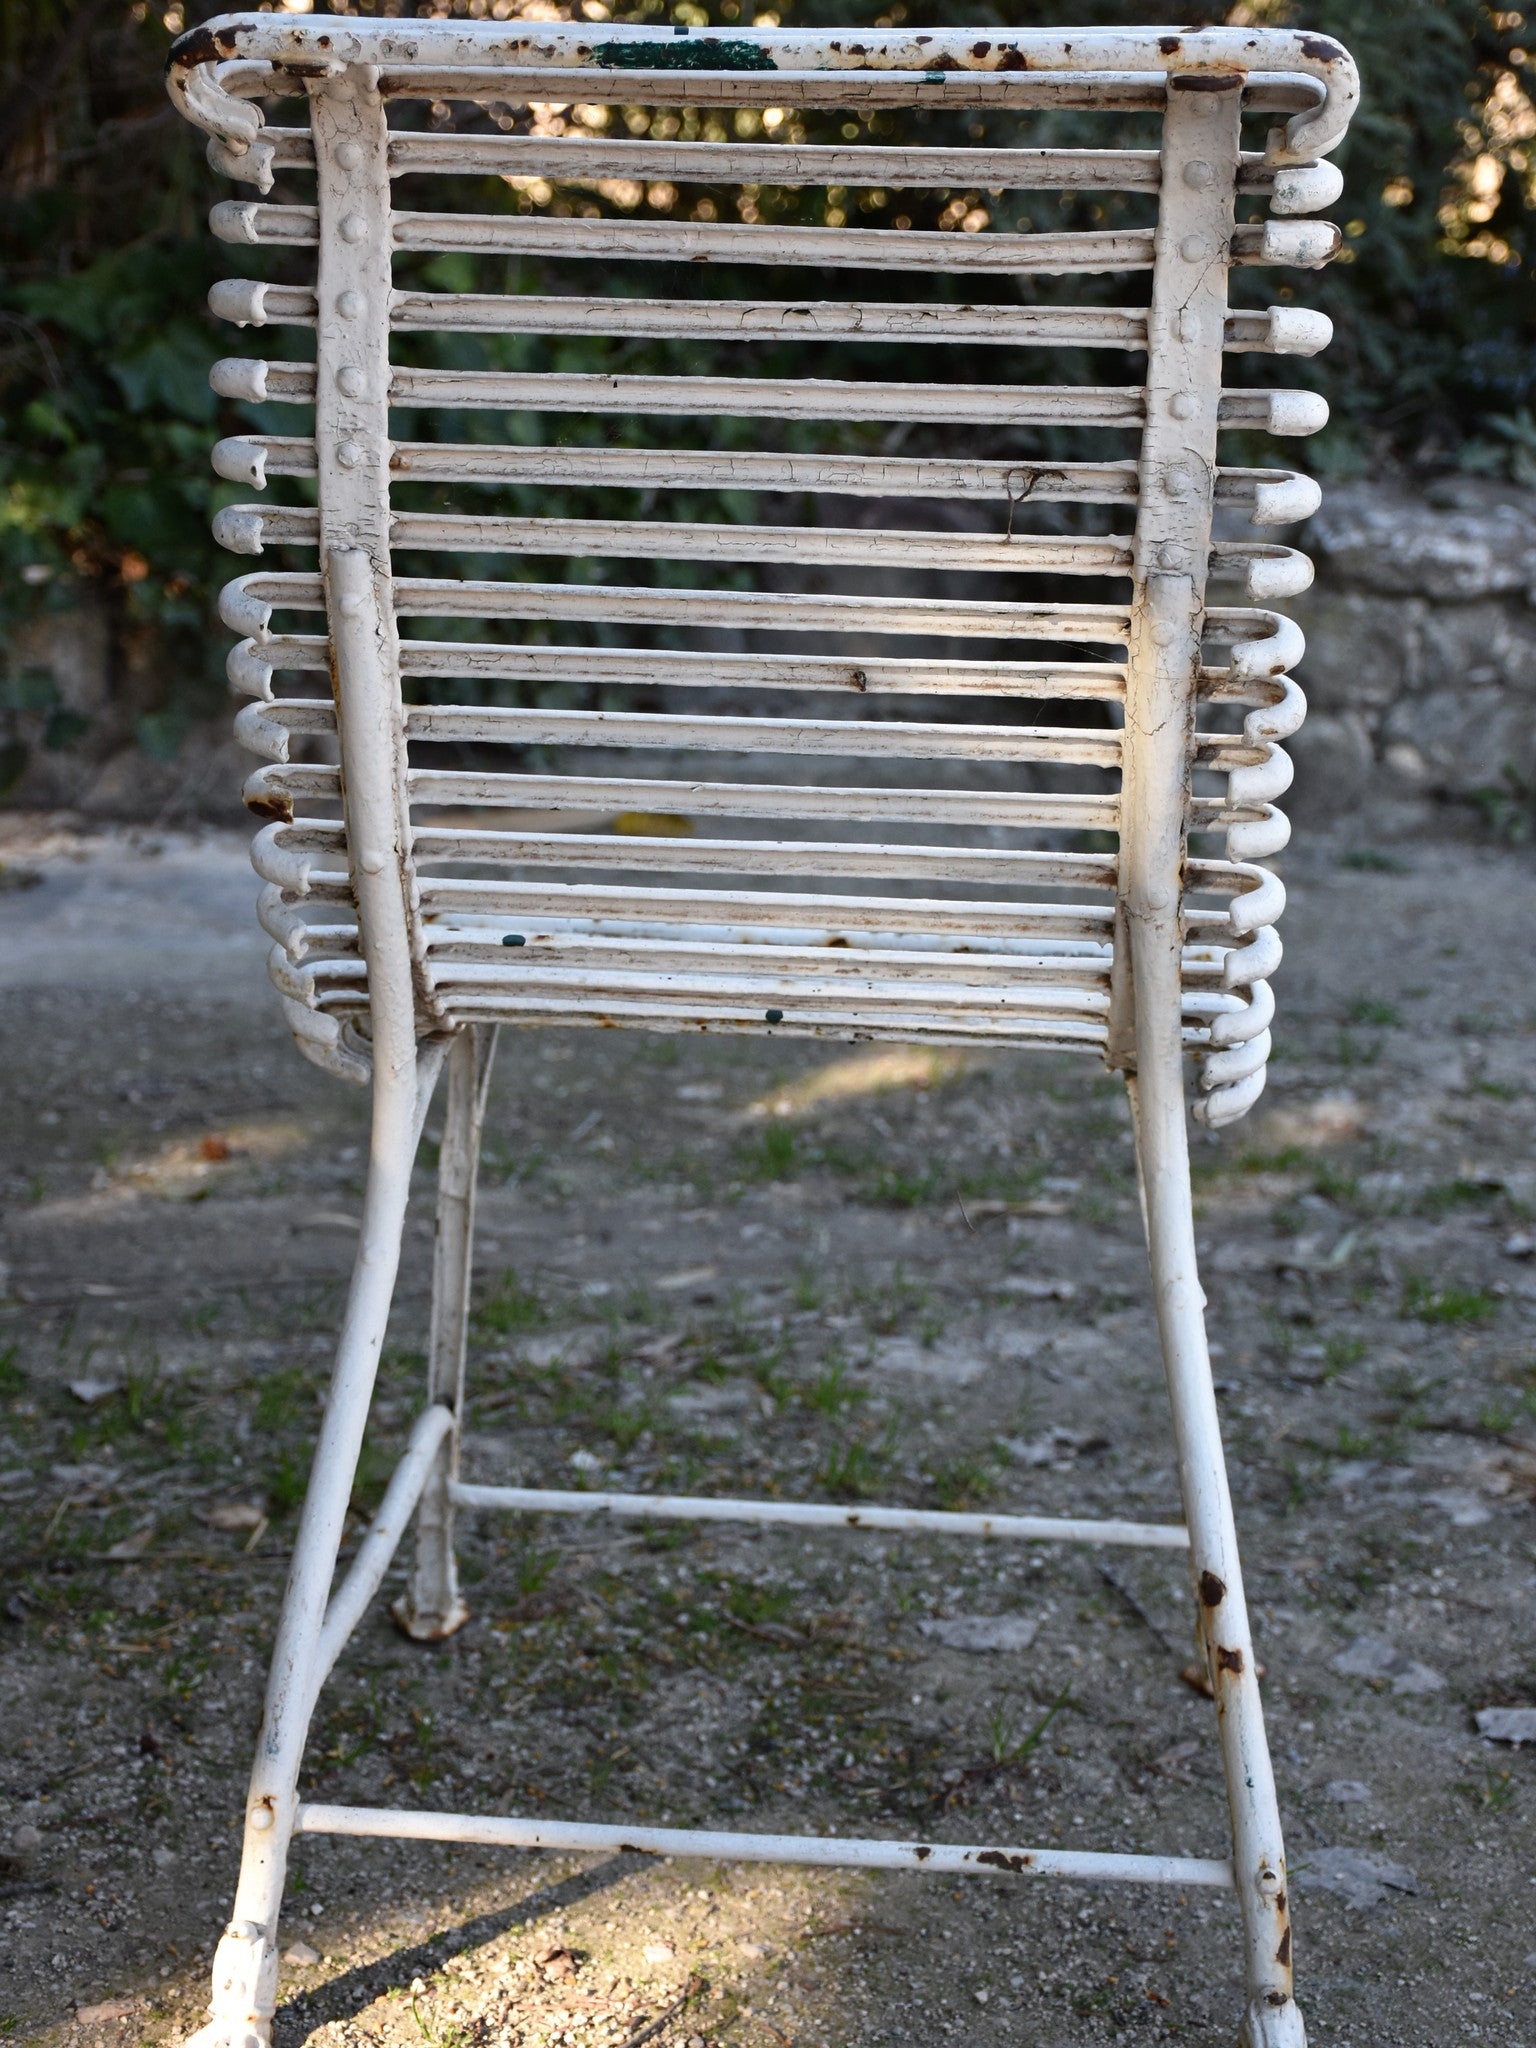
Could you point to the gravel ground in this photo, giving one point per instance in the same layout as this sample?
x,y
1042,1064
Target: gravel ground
x,y
827,1272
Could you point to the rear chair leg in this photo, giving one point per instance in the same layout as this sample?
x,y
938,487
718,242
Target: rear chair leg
x,y
1272,2018
432,1606
245,1962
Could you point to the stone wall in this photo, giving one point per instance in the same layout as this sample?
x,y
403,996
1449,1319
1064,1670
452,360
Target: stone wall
x,y
1421,645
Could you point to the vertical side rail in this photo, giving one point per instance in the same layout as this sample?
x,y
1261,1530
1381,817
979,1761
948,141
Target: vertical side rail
x,y
432,1606
1178,458
351,425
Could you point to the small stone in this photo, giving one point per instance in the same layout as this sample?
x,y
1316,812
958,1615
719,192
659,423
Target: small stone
x,y
91,1391
1374,1657
1347,1792
162,1858
981,1997
301,1955
1362,1878
982,1631
755,1949
1520,1244
1038,1290
658,1952
1506,1724
109,2009
27,1837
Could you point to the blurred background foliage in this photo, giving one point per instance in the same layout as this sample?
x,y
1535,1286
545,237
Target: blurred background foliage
x,y
106,416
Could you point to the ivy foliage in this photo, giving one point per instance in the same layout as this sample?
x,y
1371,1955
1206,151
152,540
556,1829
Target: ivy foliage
x,y
106,416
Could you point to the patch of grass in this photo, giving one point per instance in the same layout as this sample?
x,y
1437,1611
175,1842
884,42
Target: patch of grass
x,y
1333,1184
754,1604
1499,1416
898,1187
1340,1353
285,1484
1291,1159
1370,1010
1353,1052
774,1153
280,1398
1370,860
509,1307
884,1304
12,1379
1008,1740
1443,1196
501,1166
852,1469
830,1393
1495,1794
963,1482
1429,1303
807,1292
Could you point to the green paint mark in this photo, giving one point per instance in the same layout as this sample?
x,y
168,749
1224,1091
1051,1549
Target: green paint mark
x,y
707,54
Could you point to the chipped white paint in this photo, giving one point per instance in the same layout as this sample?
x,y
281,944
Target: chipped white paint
x,y
844,891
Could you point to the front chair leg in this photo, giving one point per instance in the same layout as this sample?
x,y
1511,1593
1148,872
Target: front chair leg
x,y
1272,2018
432,1606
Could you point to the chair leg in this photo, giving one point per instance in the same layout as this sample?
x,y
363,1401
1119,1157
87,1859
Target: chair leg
x,y
432,1606
1272,2018
245,1962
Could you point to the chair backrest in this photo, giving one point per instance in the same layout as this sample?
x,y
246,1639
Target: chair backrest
x,y
962,875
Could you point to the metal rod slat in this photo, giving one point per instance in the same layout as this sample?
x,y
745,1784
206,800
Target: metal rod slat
x,y
921,918
805,398
653,241
985,866
582,158
771,320
865,675
692,541
727,970
884,738
451,788
759,610
1005,809
1272,497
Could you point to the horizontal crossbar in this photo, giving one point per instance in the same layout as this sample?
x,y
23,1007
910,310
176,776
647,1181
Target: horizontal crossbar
x,y
941,1859
820,1515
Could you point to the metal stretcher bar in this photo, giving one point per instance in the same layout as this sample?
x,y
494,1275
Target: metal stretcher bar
x,y
823,1851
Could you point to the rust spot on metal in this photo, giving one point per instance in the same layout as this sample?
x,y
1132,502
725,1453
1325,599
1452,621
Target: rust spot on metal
x,y
1212,1590
1277,1998
1283,1952
1321,48
634,1849
1001,1859
202,46
1206,81
980,49
1228,1660
922,1854
1168,44
278,808
1012,60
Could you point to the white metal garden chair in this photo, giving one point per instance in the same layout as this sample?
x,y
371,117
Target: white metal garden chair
x,y
959,915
